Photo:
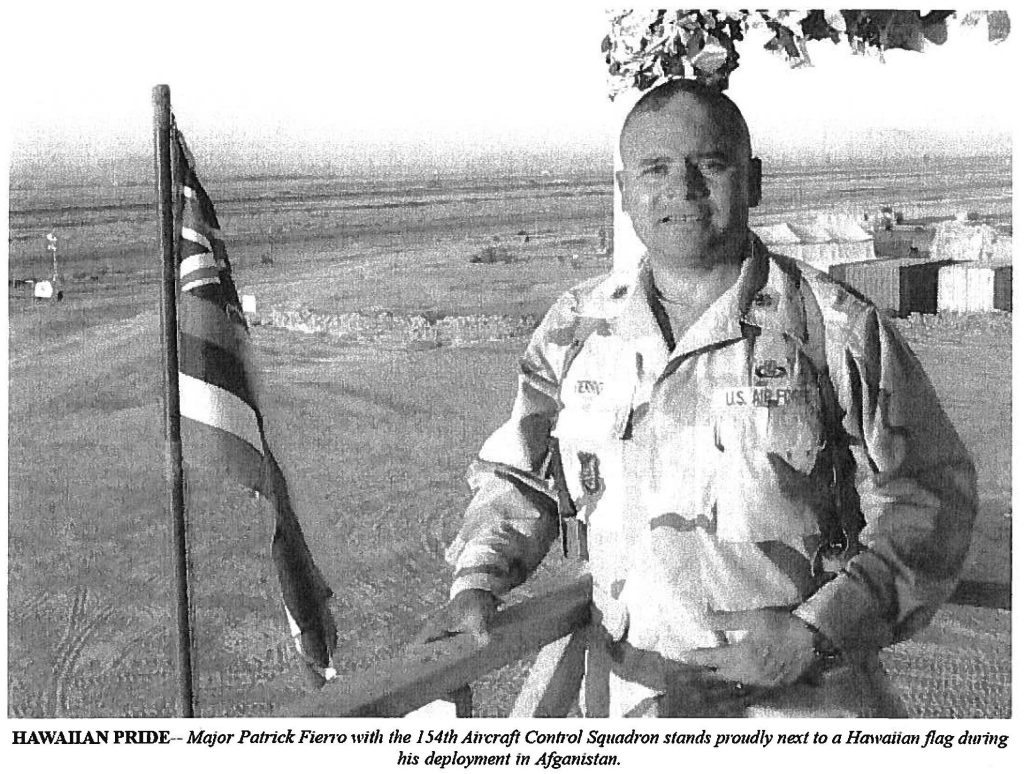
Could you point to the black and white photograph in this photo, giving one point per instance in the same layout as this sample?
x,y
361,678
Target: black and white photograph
x,y
435,362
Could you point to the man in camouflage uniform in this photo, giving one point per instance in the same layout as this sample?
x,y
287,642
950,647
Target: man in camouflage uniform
x,y
763,480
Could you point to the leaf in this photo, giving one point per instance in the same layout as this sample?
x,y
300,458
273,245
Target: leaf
x,y
673,66
695,44
815,26
998,26
645,79
835,20
711,59
735,29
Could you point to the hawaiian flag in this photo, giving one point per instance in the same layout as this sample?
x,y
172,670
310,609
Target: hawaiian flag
x,y
218,394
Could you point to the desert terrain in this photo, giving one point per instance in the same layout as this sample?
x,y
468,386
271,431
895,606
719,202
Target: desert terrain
x,y
387,356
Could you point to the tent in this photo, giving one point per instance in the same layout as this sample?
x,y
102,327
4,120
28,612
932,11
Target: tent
x,y
964,241
777,234
829,240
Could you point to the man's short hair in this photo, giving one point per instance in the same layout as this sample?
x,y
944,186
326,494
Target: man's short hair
x,y
661,95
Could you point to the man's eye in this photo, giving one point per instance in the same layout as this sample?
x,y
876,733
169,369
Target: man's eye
x,y
654,169
712,166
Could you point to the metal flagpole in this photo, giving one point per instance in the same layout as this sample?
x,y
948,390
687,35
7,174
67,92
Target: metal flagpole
x,y
172,412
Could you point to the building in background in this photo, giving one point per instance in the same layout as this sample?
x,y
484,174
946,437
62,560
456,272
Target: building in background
x,y
828,241
968,288
926,267
904,240
897,286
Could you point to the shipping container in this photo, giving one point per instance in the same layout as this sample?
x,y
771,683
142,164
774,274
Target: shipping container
x,y
896,286
965,288
1002,295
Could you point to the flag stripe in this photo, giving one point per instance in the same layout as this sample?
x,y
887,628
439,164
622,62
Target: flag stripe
x,y
201,274
190,248
199,283
200,201
215,294
217,455
202,319
198,274
218,408
216,366
327,673
194,236
198,261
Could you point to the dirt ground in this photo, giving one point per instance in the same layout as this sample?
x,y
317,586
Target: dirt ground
x,y
374,437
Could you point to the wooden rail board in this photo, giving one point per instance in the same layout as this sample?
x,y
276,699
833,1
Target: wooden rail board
x,y
394,687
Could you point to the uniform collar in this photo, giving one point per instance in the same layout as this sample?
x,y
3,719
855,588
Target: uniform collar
x,y
765,297
776,304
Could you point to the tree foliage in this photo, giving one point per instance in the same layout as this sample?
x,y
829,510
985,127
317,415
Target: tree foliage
x,y
644,47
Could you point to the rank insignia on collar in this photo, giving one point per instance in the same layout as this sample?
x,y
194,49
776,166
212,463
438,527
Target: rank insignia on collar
x,y
769,369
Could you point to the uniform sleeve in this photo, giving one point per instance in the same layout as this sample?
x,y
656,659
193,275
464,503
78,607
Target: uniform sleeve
x,y
513,516
917,488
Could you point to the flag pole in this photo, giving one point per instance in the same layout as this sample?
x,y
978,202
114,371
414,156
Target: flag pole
x,y
172,410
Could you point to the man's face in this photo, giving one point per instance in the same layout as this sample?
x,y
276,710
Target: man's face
x,y
687,183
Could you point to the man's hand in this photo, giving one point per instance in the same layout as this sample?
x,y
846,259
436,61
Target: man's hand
x,y
778,648
699,692
469,612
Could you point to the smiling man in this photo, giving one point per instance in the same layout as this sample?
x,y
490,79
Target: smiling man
x,y
689,177
687,184
754,464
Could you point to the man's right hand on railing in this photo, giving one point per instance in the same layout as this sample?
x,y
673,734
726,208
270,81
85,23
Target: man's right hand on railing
x,y
470,612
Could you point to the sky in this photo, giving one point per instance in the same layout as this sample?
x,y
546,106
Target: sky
x,y
430,84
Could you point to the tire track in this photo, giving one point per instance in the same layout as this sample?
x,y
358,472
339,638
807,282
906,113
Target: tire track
x,y
66,363
98,336
80,627
154,627
31,607
140,642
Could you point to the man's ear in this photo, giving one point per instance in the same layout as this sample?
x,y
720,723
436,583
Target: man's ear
x,y
754,183
624,189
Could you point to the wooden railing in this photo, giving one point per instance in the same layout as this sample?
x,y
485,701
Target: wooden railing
x,y
397,686
446,669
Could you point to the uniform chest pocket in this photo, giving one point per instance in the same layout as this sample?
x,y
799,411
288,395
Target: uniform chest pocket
x,y
772,438
591,428
793,429
592,424
780,416
596,396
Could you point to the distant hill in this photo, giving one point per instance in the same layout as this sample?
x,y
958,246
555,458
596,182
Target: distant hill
x,y
885,144
54,165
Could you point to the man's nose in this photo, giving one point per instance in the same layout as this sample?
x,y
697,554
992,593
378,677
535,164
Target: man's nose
x,y
688,183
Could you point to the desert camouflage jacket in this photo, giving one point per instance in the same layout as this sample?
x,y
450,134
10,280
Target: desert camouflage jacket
x,y
705,473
